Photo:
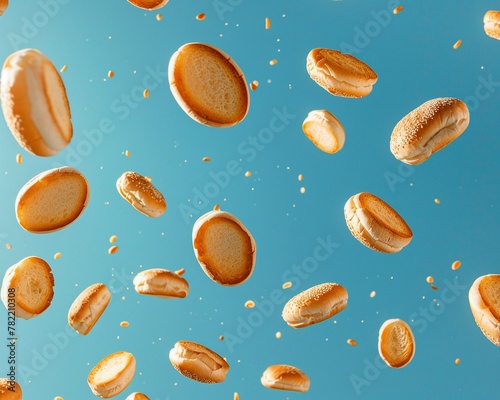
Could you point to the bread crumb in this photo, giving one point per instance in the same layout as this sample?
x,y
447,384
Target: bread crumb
x,y
206,159
64,68
111,74
112,239
352,342
456,265
113,249
437,201
273,62
180,271
236,396
254,86
249,304
302,190
434,287
8,246
287,285
159,17
124,324
216,207
19,159
268,23
457,44
429,279
58,398
248,174
373,293
221,337
398,9
127,153
457,361
278,335
300,177
57,255
146,93
200,16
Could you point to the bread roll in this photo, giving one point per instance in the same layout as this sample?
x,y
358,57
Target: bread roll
x,y
376,224
52,200
112,374
198,362
3,6
428,129
10,390
340,74
34,103
149,4
315,304
324,130
208,85
30,284
224,248
285,377
396,344
137,396
88,308
161,283
492,24
484,301
142,194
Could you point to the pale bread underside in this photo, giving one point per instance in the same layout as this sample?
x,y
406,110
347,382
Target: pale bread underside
x,y
489,288
396,344
112,374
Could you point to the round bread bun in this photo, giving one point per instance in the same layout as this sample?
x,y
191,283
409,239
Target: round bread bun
x,y
315,304
340,74
396,344
161,283
10,390
428,129
376,224
324,130
112,374
149,4
484,301
88,308
224,248
3,6
198,362
137,396
141,193
492,24
52,200
31,284
34,103
285,377
208,85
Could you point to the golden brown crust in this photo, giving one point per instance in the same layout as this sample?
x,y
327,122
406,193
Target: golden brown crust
x,y
149,4
486,313
396,343
141,194
208,85
323,129
161,283
340,74
88,307
492,24
10,390
117,377
285,377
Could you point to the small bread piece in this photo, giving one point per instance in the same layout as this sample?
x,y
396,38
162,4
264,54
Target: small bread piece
x,y
396,344
285,377
198,362
112,374
208,85
3,6
149,4
52,200
315,304
376,224
492,24
340,74
224,248
34,103
428,129
142,194
324,130
31,283
484,301
161,283
137,396
10,390
88,308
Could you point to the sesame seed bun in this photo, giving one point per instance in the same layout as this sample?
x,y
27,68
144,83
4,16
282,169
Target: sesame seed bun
x,y
161,283
208,85
10,390
376,224
285,377
198,362
34,103
484,301
315,305
340,74
396,344
428,129
88,308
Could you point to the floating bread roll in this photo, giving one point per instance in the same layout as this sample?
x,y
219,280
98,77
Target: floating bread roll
x,y
52,200
161,283
376,224
224,248
142,194
112,374
324,130
137,396
34,103
315,304
484,301
3,6
340,74
10,390
396,344
492,24
198,362
149,4
29,285
428,129
208,85
285,377
88,308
